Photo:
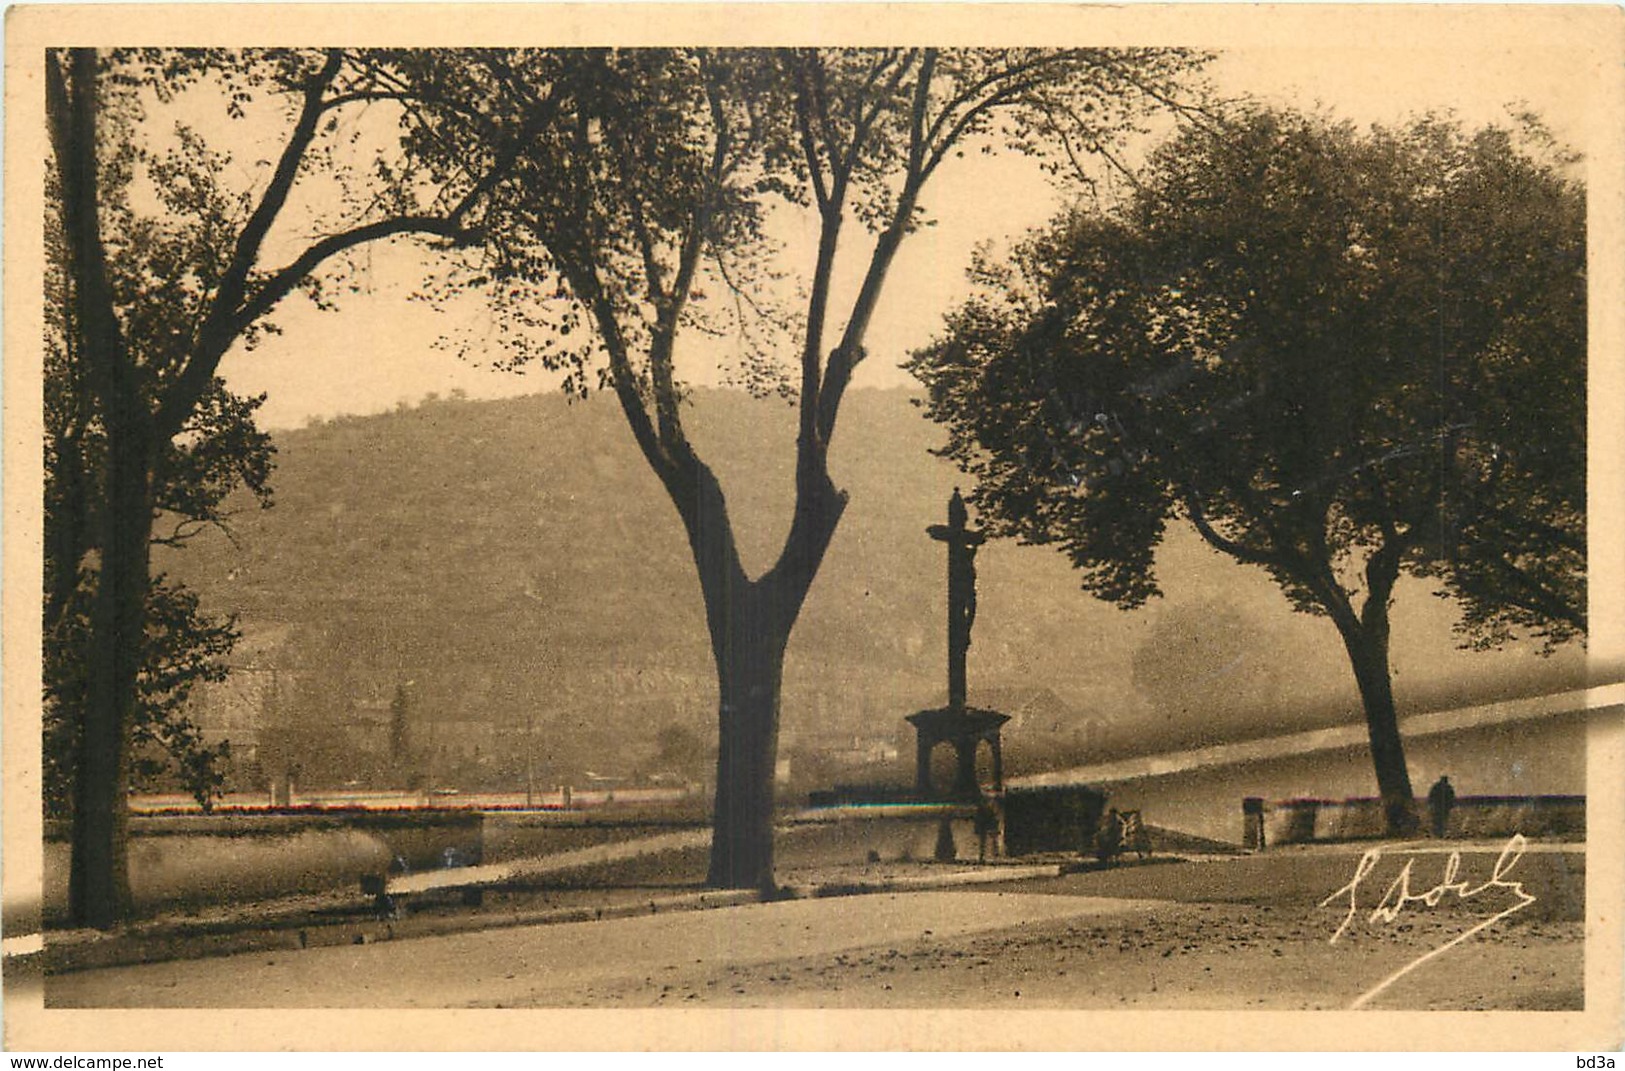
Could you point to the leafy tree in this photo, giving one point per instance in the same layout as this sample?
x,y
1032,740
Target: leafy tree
x,y
680,749
166,267
219,449
1340,355
183,648
654,193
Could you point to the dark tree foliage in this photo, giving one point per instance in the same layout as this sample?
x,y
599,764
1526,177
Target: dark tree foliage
x,y
183,649
681,750
1340,354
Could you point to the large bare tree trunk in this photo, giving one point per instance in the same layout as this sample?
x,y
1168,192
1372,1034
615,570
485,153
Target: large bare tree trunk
x,y
750,667
98,886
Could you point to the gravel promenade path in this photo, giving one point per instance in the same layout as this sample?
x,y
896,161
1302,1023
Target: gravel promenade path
x,y
1418,927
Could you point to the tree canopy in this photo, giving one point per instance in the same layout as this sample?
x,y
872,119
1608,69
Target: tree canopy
x,y
219,449
1339,354
170,252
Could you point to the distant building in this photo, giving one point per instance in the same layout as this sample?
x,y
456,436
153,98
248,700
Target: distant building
x,y
1039,717
367,728
240,707
843,749
461,739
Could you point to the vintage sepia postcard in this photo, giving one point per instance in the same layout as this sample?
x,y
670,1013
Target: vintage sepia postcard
x,y
814,526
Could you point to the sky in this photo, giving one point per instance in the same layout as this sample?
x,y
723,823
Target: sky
x,y
379,349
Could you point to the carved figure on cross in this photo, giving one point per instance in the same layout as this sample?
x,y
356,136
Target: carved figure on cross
x,y
962,543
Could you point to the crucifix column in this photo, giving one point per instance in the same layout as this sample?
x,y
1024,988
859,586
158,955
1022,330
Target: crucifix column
x,y
957,724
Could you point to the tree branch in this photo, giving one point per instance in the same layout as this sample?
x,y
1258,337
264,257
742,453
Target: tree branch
x,y
279,285
1381,572
187,527
223,326
1539,598
809,146
863,122
1239,551
234,281
219,330
970,93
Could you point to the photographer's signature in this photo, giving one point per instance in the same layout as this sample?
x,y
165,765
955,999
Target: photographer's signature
x,y
1400,896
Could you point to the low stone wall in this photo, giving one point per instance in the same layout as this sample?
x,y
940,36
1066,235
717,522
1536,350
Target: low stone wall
x,y
898,832
1060,818
510,835
1021,821
1304,821
192,861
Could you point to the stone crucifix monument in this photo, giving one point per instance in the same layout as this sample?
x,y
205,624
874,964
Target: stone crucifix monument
x,y
961,726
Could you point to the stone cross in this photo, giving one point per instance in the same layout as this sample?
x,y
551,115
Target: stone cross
x,y
962,543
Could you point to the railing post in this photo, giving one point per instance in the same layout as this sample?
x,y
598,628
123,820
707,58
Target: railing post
x,y
1252,823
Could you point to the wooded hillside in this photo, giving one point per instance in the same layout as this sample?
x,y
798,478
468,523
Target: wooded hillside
x,y
516,558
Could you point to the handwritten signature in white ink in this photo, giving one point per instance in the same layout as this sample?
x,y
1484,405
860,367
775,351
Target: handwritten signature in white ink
x,y
1400,895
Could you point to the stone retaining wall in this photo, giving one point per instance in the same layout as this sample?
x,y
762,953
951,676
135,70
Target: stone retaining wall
x,y
1304,821
888,833
192,861
1061,818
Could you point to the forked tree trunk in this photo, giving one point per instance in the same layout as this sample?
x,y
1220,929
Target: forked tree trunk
x,y
750,623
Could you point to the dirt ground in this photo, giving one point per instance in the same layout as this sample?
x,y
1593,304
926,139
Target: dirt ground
x,y
1179,957
1237,933
1222,934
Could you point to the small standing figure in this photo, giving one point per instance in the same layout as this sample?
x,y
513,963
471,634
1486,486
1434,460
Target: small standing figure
x,y
1135,837
1441,797
1109,837
987,826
